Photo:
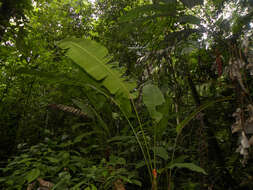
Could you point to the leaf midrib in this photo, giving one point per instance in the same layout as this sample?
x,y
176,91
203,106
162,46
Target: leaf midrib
x,y
101,63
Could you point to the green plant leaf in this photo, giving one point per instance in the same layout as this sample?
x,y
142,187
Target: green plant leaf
x,y
190,166
79,138
32,175
52,159
192,3
181,125
152,97
136,182
82,79
114,160
2,179
189,19
161,152
93,187
84,107
76,187
242,22
93,58
167,9
63,182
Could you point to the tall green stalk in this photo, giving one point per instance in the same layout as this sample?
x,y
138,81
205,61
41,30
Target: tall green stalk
x,y
147,159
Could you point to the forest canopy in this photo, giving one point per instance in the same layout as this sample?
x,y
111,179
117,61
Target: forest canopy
x,y
126,94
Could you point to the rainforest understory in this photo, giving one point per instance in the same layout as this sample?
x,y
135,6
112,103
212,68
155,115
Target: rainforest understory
x,y
126,94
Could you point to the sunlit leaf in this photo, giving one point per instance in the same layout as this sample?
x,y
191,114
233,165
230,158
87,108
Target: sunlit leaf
x,y
93,58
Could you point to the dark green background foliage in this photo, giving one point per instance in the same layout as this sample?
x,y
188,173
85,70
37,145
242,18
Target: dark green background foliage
x,y
132,94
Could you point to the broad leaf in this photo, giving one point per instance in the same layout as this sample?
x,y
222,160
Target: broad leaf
x,y
152,97
93,58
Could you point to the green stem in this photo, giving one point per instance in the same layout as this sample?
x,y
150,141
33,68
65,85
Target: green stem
x,y
172,159
145,140
182,124
149,164
142,150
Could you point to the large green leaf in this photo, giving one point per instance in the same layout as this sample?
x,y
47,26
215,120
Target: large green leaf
x,y
93,58
152,97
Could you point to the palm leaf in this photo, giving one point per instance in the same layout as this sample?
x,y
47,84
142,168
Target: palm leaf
x,y
93,58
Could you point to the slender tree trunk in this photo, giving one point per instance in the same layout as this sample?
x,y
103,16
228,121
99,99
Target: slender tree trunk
x,y
211,144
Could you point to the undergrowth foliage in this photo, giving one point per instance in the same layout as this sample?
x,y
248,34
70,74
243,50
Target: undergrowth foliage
x,y
57,164
126,95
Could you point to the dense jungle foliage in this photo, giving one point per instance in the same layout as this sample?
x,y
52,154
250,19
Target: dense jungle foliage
x,y
126,94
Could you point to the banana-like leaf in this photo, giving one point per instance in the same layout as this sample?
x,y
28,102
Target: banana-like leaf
x,y
152,97
93,58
